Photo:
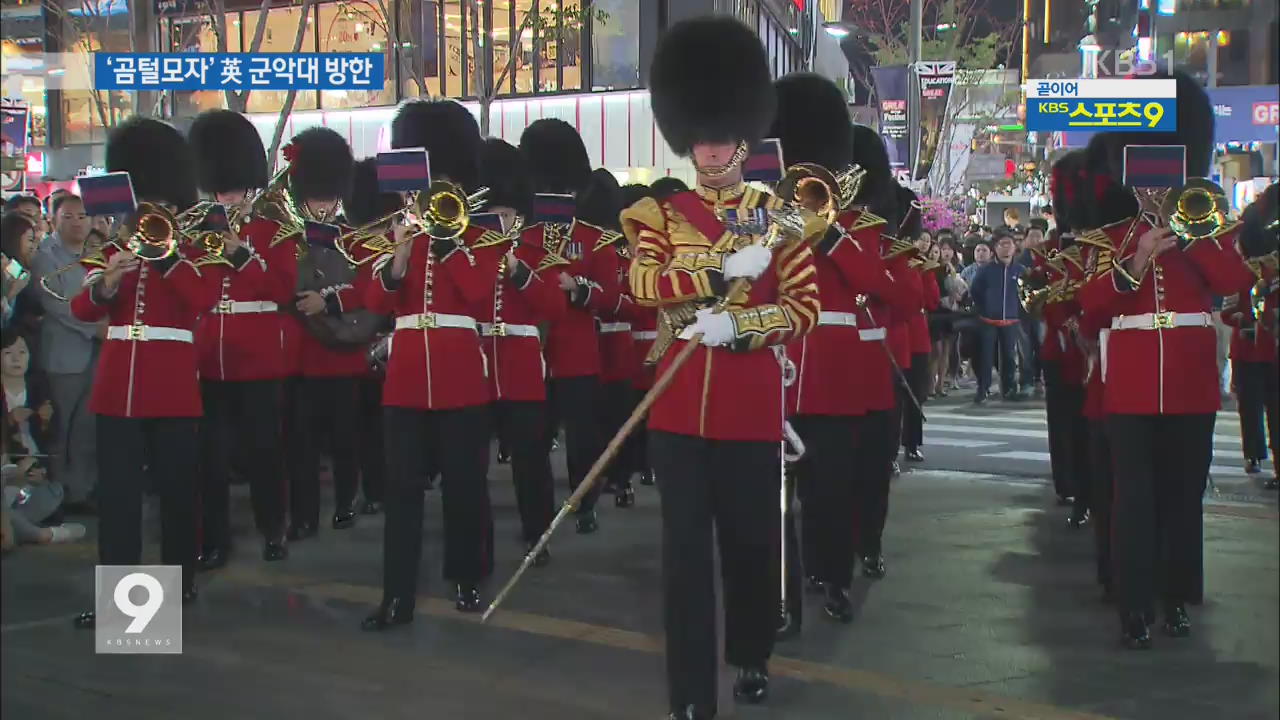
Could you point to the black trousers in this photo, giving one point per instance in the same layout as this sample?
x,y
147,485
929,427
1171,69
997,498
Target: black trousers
x,y
618,400
1068,436
829,467
241,416
577,405
732,487
1161,465
135,454
462,439
373,459
1102,487
797,547
523,425
913,417
872,467
327,407
1256,391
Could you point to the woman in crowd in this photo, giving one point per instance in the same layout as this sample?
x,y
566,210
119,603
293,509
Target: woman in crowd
x,y
18,242
942,322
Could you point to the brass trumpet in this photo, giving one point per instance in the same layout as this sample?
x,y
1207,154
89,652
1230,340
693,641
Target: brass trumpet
x,y
820,191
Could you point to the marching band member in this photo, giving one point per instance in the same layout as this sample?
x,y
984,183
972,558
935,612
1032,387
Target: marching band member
x,y
313,288
921,344
1161,390
147,393
437,383
899,252
715,434
558,164
239,345
644,330
526,294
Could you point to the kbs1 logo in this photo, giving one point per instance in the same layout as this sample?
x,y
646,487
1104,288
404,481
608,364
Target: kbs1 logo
x,y
1099,105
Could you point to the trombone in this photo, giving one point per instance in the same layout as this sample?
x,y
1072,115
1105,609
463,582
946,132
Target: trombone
x,y
442,211
819,190
155,237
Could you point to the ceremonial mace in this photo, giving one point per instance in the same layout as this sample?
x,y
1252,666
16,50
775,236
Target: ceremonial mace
x,y
783,221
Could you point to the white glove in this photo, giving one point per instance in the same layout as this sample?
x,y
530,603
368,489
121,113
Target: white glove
x,y
748,262
716,328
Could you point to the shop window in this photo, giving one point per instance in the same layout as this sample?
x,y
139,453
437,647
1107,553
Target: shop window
x,y
526,72
455,52
282,27
615,45
569,44
358,27
500,40
89,27
201,34
420,48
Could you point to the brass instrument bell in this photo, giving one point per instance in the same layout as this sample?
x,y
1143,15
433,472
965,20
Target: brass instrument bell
x,y
1196,210
155,232
820,191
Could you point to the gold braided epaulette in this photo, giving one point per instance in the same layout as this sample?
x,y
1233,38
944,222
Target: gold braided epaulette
x,y
867,219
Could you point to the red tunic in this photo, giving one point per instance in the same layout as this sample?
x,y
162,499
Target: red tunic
x,y
433,367
721,393
1259,345
150,377
1162,368
573,346
517,370
618,359
240,338
281,254
899,330
919,324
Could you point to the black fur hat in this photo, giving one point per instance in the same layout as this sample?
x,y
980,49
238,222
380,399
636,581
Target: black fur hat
x,y
710,82
1105,200
557,158
450,134
503,170
364,203
1195,130
633,193
601,201
320,164
910,229
1066,188
228,152
158,160
813,122
667,186
879,190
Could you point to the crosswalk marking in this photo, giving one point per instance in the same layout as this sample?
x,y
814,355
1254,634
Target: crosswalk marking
x,y
1044,457
942,421
953,442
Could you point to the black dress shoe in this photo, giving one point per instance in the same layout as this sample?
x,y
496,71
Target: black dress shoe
x,y
189,595
586,523
625,496
1134,633
85,621
214,558
430,482
1078,519
392,612
371,507
273,550
1252,466
813,585
504,457
691,712
914,455
1176,621
1272,483
895,469
873,566
467,598
647,477
344,519
302,531
837,605
751,685
542,559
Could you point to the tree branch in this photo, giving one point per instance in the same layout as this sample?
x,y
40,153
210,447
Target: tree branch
x,y
292,94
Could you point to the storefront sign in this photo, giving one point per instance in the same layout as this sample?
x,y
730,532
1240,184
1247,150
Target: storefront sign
x,y
1245,113
239,71
13,146
891,89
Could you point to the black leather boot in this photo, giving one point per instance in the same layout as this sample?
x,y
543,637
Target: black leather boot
x,y
873,566
624,495
214,557
1176,621
1134,633
273,550
914,455
467,598
647,477
1078,519
837,605
395,611
344,519
751,685
586,522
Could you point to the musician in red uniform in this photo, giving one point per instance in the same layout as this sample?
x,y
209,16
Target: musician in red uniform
x,y
1160,374
146,393
899,254
437,383
239,346
715,434
558,164
526,293
644,330
918,333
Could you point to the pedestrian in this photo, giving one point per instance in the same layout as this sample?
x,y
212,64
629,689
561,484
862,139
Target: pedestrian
x,y
995,297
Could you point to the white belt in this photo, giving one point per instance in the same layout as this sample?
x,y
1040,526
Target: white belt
x,y
231,307
508,330
645,335
1161,321
837,318
871,334
431,321
143,333
615,327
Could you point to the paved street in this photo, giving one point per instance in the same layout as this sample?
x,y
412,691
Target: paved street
x,y
989,611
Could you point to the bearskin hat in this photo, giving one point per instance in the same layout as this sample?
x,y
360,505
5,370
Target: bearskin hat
x,y
1066,189
503,170
738,101
667,186
450,134
1195,130
1105,200
1258,235
228,152
364,203
634,193
813,122
320,164
158,160
557,158
910,222
878,191
601,201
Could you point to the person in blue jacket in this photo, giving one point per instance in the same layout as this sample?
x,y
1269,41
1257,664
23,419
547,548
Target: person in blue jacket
x,y
995,297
